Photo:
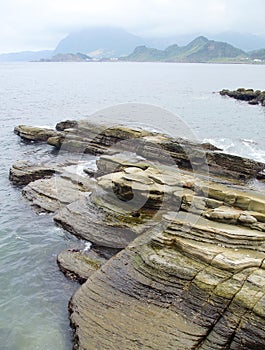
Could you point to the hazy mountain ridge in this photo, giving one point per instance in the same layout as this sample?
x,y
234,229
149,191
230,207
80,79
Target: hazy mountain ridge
x,y
109,42
25,56
199,50
258,54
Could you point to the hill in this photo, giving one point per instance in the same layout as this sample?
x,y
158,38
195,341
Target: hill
x,y
257,54
25,56
68,57
199,50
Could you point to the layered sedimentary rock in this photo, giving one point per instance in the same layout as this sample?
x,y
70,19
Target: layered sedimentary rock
x,y
198,283
173,293
22,173
190,273
86,137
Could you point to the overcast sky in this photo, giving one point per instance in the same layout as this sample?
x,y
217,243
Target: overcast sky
x,y
35,25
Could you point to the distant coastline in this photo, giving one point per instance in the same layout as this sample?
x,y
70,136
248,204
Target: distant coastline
x,y
199,50
118,46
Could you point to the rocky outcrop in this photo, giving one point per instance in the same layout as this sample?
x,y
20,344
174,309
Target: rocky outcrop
x,y
32,133
199,284
252,97
55,193
85,137
176,291
190,271
52,194
22,172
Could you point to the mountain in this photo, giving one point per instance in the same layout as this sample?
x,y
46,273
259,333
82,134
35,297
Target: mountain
x,y
25,56
245,41
199,50
100,42
107,42
257,54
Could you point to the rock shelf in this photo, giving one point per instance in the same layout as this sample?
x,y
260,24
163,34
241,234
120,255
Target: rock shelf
x,y
177,257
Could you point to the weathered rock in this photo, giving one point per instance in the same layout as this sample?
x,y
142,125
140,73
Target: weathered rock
x,y
83,219
86,137
56,141
31,133
79,264
233,166
52,194
192,274
22,172
67,124
253,97
174,292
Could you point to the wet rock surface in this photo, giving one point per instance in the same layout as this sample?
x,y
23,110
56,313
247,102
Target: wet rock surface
x,y
190,271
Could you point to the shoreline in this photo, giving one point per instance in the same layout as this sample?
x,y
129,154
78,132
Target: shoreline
x,y
157,62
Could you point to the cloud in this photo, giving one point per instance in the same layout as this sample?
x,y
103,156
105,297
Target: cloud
x,y
33,24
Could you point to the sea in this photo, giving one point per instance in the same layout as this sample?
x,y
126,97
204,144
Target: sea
x,y
172,97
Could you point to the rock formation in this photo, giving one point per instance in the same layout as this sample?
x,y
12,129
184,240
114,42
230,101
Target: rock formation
x,y
79,264
249,95
177,234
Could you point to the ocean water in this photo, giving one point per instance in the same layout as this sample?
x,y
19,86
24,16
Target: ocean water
x,y
33,292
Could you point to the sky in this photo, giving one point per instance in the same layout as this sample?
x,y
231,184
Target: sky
x,y
36,25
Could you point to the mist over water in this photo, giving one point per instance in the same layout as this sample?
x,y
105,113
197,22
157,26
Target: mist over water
x,y
33,292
